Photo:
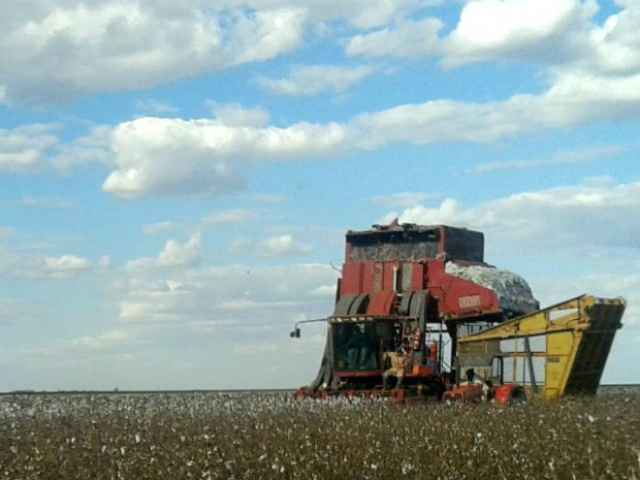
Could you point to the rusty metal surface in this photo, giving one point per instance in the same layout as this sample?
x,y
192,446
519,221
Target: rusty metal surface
x,y
412,243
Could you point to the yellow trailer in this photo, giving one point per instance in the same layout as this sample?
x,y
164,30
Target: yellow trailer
x,y
559,350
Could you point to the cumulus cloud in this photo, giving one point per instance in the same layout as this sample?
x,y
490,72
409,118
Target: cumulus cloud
x,y
561,34
159,156
238,116
25,149
364,14
324,291
204,157
63,267
615,43
55,51
210,157
410,39
261,296
21,258
38,147
545,30
314,79
174,254
277,246
573,100
282,246
52,54
597,214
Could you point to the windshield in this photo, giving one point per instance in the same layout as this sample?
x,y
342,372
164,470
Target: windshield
x,y
358,347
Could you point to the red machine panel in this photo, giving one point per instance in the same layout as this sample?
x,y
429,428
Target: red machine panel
x,y
458,298
381,303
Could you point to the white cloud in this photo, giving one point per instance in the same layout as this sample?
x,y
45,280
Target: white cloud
x,y
156,156
363,14
565,157
63,267
573,100
259,296
204,157
266,34
599,214
538,29
55,52
324,291
37,147
173,255
615,44
448,212
561,34
210,157
52,53
315,79
282,246
24,149
410,39
235,115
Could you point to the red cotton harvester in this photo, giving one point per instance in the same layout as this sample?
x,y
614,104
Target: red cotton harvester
x,y
418,309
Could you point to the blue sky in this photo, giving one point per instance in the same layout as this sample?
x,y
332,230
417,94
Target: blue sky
x,y
176,178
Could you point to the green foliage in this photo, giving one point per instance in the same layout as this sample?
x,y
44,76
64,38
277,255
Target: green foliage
x,y
254,436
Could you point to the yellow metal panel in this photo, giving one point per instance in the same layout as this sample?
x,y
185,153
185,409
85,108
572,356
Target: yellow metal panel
x,y
579,333
560,343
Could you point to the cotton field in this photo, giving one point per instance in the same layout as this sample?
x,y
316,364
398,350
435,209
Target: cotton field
x,y
268,435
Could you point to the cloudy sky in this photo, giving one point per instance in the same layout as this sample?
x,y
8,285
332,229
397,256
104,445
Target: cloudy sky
x,y
176,177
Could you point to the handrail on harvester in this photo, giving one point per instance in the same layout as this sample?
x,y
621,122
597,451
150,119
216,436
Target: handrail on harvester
x,y
295,333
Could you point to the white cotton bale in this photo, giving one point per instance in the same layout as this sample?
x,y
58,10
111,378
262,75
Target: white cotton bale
x,y
513,292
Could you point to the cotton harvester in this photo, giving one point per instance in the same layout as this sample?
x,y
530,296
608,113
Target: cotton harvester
x,y
425,294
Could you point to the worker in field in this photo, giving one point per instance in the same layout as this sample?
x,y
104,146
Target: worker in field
x,y
474,379
399,360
